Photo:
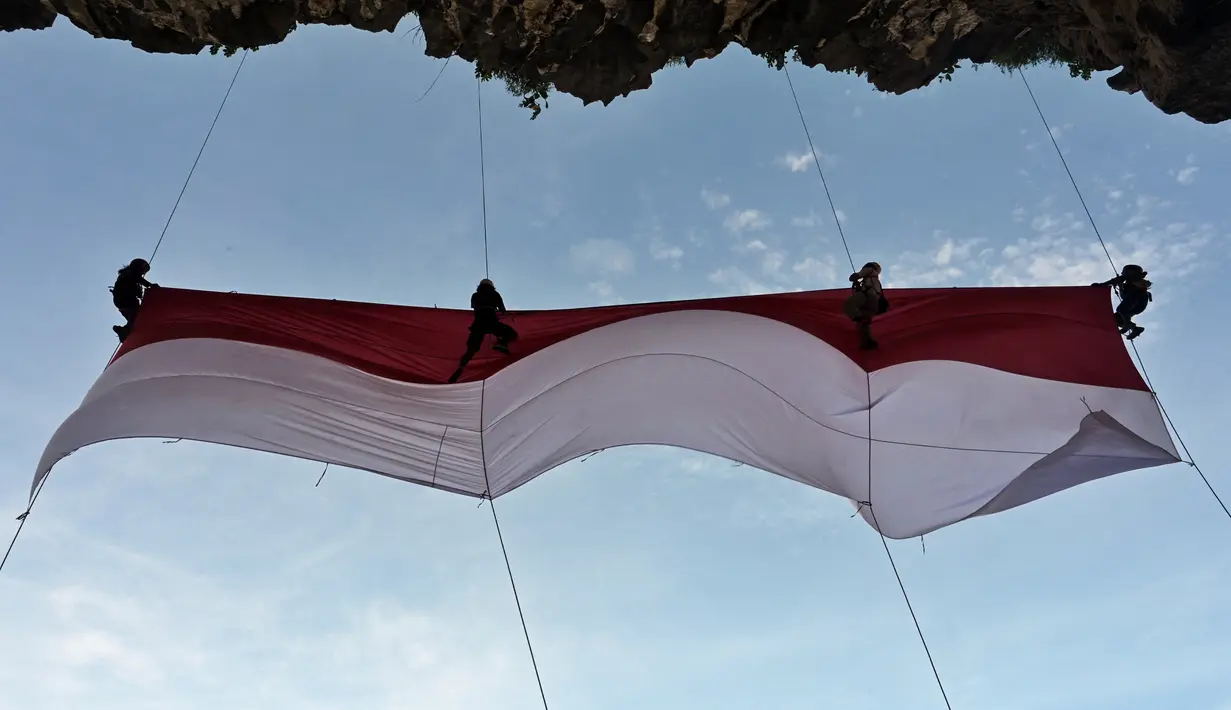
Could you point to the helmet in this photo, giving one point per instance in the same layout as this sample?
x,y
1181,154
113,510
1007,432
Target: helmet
x,y
140,265
486,283
1132,271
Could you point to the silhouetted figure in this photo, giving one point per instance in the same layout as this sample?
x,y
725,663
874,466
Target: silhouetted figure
x,y
488,305
867,300
1135,297
128,293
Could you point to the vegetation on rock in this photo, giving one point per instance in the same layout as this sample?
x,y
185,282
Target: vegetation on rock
x,y
1034,48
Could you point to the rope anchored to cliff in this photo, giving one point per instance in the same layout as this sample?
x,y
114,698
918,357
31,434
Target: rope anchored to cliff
x,y
482,396
25,515
1140,362
867,504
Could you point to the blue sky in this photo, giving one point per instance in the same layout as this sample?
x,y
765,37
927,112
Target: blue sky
x,y
190,576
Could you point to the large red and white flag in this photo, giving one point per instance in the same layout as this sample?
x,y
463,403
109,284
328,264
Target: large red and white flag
x,y
978,400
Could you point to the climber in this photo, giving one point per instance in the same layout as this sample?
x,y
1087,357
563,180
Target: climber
x,y
1135,296
487,304
128,293
867,300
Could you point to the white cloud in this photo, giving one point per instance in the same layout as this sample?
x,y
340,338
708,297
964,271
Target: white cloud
x,y
117,629
779,271
661,251
1187,175
796,162
1058,132
813,273
714,200
771,263
91,648
803,160
747,220
1061,249
605,291
732,279
948,251
946,265
812,219
603,256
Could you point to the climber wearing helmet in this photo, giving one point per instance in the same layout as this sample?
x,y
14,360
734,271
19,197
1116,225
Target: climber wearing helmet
x,y
487,304
128,293
1135,296
867,300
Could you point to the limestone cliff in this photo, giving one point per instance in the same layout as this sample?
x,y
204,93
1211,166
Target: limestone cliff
x,y
1177,53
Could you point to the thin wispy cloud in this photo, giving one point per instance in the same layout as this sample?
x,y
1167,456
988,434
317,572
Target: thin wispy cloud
x,y
603,256
713,199
796,162
809,220
733,281
107,647
1059,132
818,273
605,292
803,161
1060,248
661,251
751,245
747,221
1187,175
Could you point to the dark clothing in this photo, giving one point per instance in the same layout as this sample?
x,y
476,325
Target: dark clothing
x,y
129,288
1133,302
487,304
129,311
867,300
483,327
1135,297
1137,288
1135,294
126,296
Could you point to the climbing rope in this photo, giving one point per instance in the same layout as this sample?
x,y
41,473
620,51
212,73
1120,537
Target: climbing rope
x,y
34,498
487,272
1116,271
243,58
482,402
868,379
816,159
512,582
